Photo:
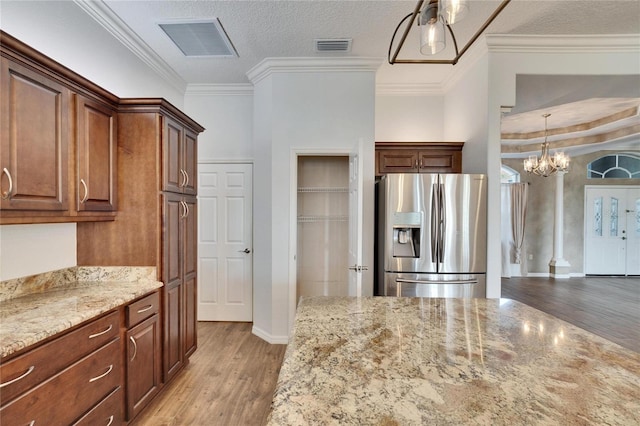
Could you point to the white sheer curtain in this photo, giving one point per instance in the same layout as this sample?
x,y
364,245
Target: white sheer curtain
x,y
513,199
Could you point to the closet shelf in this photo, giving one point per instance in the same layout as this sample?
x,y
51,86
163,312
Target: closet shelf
x,y
322,218
323,189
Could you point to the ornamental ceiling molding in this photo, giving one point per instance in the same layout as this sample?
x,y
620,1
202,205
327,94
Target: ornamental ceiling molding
x,y
269,66
219,90
600,43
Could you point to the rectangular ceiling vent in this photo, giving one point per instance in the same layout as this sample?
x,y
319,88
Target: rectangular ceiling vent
x,y
333,44
200,38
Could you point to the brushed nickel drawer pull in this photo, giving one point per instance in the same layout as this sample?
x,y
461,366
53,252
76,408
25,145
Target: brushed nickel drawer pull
x,y
102,332
7,194
86,191
135,348
22,376
145,309
102,375
110,420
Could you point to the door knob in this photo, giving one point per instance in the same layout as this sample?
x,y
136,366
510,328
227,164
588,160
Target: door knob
x,y
244,251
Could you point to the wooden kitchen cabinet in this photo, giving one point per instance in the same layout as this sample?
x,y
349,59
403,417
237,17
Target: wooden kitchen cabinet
x,y
143,339
35,140
62,380
96,153
57,141
157,222
418,157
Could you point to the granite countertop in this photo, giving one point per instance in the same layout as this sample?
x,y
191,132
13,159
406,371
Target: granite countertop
x,y
65,301
409,361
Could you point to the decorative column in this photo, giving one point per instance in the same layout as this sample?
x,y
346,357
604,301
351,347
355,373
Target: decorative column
x,y
558,266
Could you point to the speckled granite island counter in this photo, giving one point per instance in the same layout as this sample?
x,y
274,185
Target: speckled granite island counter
x,y
35,308
413,361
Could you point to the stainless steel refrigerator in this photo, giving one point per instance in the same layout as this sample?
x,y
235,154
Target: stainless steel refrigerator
x,y
431,235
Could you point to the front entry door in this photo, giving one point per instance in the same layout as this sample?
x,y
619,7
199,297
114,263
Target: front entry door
x,y
612,230
225,282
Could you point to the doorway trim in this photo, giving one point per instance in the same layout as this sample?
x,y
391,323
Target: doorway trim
x,y
293,215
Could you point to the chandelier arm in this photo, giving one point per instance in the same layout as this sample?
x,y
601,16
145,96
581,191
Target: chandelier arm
x,y
392,61
406,31
482,28
455,43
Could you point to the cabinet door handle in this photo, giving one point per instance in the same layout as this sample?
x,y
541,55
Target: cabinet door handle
x,y
7,193
184,210
187,176
20,377
86,191
184,178
33,422
187,208
135,348
145,309
110,420
102,375
91,336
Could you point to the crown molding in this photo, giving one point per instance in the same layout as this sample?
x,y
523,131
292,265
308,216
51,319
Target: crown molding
x,y
219,89
476,52
102,14
601,43
269,66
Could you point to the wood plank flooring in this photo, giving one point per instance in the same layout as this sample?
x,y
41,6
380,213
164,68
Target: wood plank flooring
x,y
606,306
229,380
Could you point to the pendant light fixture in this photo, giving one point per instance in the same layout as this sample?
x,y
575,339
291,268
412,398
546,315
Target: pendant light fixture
x,y
432,17
546,165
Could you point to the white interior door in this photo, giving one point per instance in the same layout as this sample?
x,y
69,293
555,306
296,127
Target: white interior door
x,y
225,277
355,221
612,236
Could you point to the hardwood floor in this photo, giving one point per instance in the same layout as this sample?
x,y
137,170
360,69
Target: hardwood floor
x,y
228,381
606,306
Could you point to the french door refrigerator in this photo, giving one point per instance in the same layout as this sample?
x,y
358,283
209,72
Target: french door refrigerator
x,y
431,235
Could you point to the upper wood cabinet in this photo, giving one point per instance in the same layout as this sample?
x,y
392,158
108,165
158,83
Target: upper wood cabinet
x,y
35,140
179,158
96,152
57,143
418,157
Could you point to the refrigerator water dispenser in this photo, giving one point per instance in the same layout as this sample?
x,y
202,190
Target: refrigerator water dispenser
x,y
406,234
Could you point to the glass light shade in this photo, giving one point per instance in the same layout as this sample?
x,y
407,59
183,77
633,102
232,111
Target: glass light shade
x,y
453,10
432,37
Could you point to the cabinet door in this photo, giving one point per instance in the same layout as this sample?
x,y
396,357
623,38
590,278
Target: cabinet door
x,y
433,161
190,255
34,140
397,161
172,217
190,162
143,364
173,174
96,156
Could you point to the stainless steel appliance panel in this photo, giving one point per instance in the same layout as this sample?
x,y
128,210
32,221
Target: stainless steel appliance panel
x,y
435,285
463,223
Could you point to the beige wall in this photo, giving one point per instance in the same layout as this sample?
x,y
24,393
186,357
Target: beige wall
x,y
539,223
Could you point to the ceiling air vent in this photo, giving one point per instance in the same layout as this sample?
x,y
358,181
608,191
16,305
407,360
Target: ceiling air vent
x,y
333,44
200,38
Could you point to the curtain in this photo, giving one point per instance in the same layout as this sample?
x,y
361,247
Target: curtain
x,y
518,216
513,206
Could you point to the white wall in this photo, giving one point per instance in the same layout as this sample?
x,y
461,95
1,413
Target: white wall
x,y
33,249
315,110
409,118
227,116
62,31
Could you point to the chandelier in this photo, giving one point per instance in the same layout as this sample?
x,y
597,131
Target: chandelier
x,y
546,165
432,17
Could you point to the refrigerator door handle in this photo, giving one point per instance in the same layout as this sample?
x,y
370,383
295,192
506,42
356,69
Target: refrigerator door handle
x,y
443,224
434,223
408,281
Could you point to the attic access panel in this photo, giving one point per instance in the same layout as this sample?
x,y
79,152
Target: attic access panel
x,y
202,38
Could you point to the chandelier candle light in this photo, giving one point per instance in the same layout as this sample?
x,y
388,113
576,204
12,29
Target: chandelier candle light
x,y
546,165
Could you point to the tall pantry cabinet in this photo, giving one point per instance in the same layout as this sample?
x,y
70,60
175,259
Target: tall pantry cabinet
x,y
156,222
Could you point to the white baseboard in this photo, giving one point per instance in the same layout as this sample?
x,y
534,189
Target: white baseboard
x,y
274,340
548,275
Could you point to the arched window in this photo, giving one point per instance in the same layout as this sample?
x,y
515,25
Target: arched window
x,y
509,175
615,166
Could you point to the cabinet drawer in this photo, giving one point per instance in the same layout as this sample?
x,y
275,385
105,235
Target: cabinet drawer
x,y
26,371
143,309
70,393
107,412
